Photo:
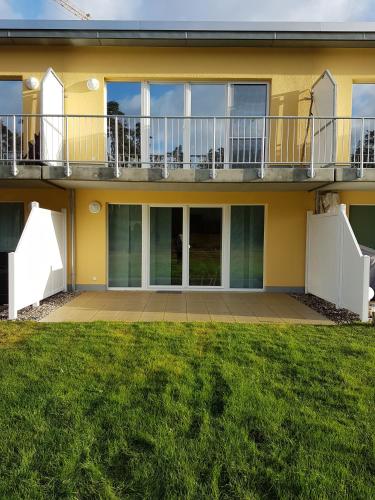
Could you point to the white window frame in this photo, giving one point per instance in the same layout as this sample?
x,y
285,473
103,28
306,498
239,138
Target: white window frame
x,y
225,248
146,112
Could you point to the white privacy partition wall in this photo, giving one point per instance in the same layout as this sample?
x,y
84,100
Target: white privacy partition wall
x,y
323,106
37,268
52,127
336,269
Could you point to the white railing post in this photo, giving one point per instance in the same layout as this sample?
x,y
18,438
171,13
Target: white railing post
x,y
165,169
117,170
186,142
261,171
12,309
68,171
360,170
311,172
14,147
213,169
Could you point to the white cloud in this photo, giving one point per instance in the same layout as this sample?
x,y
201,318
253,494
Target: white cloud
x,y
7,11
219,10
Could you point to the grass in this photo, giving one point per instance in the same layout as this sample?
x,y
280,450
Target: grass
x,y
113,410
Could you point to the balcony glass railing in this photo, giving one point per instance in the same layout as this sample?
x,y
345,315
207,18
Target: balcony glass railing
x,y
168,143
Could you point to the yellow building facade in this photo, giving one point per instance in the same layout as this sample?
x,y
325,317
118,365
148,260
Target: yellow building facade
x,y
289,72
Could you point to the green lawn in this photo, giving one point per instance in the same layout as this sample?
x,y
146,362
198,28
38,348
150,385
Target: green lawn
x,y
110,410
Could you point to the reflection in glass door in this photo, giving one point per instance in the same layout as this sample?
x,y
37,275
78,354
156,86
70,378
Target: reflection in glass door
x,y
166,246
247,100
246,246
205,246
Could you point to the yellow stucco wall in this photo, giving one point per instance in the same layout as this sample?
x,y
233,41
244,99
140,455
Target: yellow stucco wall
x,y
357,198
291,72
53,199
285,224
284,234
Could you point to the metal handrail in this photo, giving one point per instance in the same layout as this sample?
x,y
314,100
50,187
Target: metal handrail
x,y
170,142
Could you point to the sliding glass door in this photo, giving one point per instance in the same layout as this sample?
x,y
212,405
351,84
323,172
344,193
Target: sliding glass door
x,y
246,246
125,246
205,245
166,246
245,137
186,246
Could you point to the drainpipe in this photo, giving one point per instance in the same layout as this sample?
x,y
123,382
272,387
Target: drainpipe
x,y
72,212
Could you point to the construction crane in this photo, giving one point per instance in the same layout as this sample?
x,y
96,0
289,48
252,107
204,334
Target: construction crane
x,y
73,9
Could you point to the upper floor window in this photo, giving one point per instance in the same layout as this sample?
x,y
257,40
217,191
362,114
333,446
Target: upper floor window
x,y
124,98
166,99
363,103
10,104
363,106
187,123
10,97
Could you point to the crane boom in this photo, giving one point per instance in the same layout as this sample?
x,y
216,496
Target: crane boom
x,y
73,9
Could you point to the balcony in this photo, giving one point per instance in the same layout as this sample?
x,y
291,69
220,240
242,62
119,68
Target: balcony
x,y
185,149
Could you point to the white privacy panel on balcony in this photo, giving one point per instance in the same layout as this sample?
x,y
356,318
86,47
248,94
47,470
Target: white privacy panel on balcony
x,y
52,127
324,109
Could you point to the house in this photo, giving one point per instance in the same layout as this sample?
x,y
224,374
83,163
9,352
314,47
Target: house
x,y
187,155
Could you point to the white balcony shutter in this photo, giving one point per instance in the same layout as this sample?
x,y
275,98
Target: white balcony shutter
x,y
52,127
324,110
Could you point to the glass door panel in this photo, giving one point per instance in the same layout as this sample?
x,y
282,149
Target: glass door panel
x,y
166,136
246,246
205,245
166,246
245,137
207,100
125,246
124,101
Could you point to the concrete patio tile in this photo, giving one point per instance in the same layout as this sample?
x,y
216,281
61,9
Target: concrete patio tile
x,y
106,316
245,319
151,316
154,307
130,316
175,316
222,318
187,306
206,318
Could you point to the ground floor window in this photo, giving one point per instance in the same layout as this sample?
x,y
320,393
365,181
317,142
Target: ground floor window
x,y
362,220
185,246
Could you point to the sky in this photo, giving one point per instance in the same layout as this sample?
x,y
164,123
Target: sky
x,y
213,10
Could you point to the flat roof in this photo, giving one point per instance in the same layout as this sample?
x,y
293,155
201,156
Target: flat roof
x,y
187,33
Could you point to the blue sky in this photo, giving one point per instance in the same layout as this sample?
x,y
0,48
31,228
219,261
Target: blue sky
x,y
242,10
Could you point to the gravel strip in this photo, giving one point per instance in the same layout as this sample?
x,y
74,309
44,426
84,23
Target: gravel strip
x,y
31,313
327,309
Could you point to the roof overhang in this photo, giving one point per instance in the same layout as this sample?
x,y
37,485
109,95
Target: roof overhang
x,y
180,33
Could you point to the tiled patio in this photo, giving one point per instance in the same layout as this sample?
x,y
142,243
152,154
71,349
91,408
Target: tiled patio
x,y
186,306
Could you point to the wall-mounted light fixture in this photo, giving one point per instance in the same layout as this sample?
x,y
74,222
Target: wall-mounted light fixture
x,y
93,84
95,207
32,83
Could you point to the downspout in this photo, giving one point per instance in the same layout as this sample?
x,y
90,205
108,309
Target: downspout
x,y
72,212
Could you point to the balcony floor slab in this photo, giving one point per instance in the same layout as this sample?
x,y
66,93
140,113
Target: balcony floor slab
x,y
30,172
249,175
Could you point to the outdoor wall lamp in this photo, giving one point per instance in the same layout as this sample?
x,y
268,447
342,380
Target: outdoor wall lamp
x,y
32,83
93,84
95,207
